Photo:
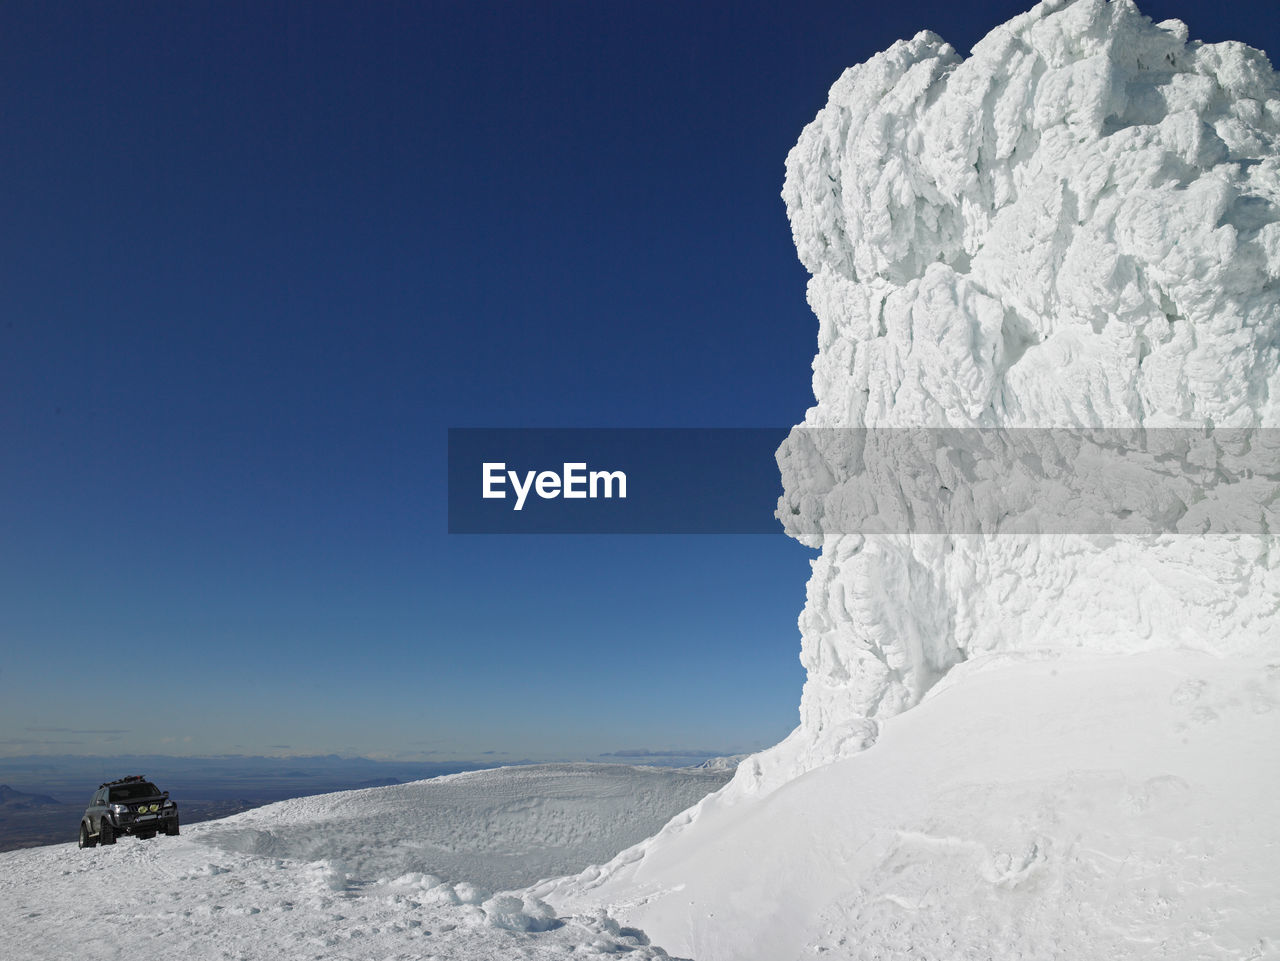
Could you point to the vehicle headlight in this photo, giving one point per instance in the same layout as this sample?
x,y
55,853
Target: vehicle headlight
x,y
119,809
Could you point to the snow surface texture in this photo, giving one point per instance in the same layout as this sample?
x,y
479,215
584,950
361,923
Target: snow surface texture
x,y
500,829
1077,226
1052,807
353,875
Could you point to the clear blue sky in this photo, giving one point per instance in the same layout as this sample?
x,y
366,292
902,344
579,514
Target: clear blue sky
x,y
258,257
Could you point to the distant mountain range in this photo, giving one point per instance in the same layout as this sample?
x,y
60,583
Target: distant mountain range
x,y
14,800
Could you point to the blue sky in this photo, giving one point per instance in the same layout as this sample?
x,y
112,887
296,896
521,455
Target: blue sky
x,y
257,258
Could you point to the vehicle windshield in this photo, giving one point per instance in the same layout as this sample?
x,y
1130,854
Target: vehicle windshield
x,y
132,792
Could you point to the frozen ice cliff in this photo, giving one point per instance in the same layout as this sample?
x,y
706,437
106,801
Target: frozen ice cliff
x,y
1072,238
1077,226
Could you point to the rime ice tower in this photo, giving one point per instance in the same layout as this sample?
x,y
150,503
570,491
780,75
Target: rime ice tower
x,y
1076,226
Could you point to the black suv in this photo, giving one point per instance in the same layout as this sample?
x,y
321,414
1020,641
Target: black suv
x,y
131,805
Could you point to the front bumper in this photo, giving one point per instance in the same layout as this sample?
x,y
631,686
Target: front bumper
x,y
137,823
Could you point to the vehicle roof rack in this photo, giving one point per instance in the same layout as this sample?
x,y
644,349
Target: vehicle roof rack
x,y
124,780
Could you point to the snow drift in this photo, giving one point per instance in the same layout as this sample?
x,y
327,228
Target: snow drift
x,y
1075,230
497,829
1047,807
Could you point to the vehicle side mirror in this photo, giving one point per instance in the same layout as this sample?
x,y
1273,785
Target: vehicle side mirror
x,y
166,794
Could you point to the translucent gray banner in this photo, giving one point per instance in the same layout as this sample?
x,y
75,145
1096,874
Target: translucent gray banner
x,y
1029,481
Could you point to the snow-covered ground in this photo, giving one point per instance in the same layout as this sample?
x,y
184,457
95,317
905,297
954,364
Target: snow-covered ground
x,y
1087,809
1032,806
403,872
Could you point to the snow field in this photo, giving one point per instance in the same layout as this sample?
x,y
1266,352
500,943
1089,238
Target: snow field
x,y
324,877
177,898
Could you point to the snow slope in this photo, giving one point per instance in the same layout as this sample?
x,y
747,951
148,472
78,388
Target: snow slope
x,y
1050,807
402,872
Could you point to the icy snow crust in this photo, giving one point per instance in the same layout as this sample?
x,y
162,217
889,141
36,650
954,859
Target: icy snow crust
x,y
1078,226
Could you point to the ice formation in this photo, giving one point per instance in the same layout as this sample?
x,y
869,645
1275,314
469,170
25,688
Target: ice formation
x,y
1078,226
1071,236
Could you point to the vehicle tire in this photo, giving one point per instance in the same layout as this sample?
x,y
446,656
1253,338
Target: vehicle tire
x,y
171,829
85,840
106,833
